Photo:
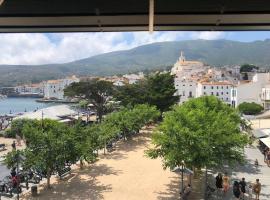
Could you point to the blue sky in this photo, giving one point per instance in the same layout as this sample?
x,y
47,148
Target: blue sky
x,y
43,48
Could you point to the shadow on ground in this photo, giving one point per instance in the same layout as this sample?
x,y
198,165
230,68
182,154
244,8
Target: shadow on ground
x,y
82,184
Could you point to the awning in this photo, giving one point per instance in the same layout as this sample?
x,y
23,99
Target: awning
x,y
261,133
185,170
266,141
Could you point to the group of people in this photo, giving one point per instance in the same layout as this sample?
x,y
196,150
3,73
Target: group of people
x,y
239,188
266,153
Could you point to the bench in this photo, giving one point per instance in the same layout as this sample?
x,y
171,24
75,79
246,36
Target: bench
x,y
64,172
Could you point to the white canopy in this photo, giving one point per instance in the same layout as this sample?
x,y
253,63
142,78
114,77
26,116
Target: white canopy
x,y
266,141
261,133
53,112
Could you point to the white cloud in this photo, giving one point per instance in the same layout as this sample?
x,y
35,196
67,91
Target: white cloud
x,y
208,35
39,48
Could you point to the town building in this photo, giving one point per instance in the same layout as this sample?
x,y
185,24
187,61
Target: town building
x,y
221,90
30,89
133,78
255,90
54,89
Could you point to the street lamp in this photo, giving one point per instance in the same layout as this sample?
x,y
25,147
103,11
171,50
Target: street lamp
x,y
182,175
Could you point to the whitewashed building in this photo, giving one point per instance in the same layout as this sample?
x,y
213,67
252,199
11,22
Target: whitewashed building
x,y
186,89
252,91
221,90
31,89
54,89
133,78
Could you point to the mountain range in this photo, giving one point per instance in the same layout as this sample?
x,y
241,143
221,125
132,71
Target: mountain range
x,y
146,57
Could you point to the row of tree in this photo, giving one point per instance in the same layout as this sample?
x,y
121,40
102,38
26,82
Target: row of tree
x,y
51,144
156,90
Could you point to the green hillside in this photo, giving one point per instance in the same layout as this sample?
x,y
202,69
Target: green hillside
x,y
152,56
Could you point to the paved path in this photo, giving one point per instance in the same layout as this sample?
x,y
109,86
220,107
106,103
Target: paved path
x,y
3,171
250,172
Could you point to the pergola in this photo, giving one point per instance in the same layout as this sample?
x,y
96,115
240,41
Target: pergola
x,y
133,15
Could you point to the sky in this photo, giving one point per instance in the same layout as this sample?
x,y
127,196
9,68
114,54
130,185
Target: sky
x,y
44,48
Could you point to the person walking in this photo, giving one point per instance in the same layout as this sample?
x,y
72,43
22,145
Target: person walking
x,y
243,186
219,181
13,145
268,158
257,189
265,151
186,192
236,189
226,184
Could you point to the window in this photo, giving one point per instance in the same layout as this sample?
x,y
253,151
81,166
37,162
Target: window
x,y
217,87
234,93
221,87
204,87
212,93
183,93
221,93
183,85
190,94
204,93
190,85
217,94
227,87
227,99
54,91
212,87
227,92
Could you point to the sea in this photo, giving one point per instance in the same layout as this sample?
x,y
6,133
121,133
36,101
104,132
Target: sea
x,y
15,105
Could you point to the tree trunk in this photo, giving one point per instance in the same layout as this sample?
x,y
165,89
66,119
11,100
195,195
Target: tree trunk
x,y
81,163
104,148
205,183
48,179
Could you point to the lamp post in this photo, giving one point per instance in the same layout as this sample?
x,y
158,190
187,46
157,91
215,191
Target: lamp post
x,y
182,175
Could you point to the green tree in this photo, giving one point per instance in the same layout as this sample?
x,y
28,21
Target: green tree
x,y
131,120
49,146
250,108
157,90
248,68
17,126
204,132
86,143
97,92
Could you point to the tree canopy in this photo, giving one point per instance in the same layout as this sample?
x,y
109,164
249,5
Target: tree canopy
x,y
248,68
250,108
97,92
157,90
204,132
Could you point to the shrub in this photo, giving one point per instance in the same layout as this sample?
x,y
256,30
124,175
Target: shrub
x,y
250,108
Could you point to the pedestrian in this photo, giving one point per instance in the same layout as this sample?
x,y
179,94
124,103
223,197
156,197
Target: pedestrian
x,y
219,181
265,151
268,158
226,184
13,172
243,186
186,192
236,190
249,192
13,145
257,189
256,163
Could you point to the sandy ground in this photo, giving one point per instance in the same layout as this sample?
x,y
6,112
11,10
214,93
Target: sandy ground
x,y
8,142
125,174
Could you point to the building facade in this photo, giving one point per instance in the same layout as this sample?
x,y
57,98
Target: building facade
x,y
54,89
